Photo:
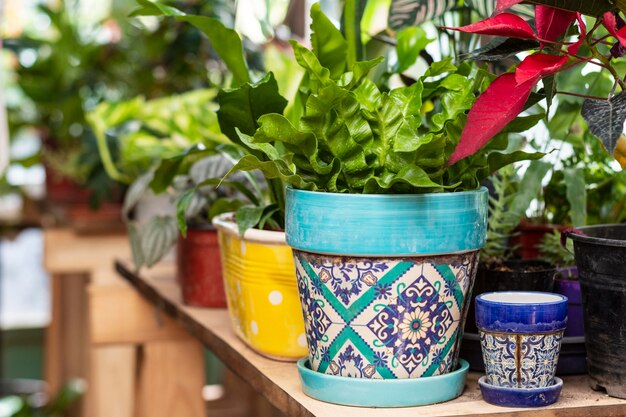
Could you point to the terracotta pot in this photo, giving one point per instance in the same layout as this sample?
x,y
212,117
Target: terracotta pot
x,y
528,236
199,269
61,190
104,219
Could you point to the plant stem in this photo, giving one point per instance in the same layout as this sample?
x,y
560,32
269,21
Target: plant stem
x,y
601,40
567,93
277,195
607,64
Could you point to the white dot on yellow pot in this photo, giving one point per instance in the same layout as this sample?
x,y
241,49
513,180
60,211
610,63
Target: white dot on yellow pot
x,y
302,340
254,327
276,297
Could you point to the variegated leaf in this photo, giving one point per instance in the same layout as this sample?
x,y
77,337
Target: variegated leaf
x,y
484,8
605,119
403,13
214,166
136,190
158,237
135,245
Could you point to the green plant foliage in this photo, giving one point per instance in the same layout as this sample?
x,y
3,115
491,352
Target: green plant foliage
x,y
551,250
500,221
241,107
343,132
354,138
411,41
225,41
507,206
576,194
412,13
148,131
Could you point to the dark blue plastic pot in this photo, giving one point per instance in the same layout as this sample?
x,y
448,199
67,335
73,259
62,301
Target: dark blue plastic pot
x,y
520,334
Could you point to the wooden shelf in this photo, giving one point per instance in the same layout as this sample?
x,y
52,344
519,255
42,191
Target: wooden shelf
x,y
280,384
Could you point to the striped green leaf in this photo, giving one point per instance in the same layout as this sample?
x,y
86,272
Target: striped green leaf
x,y
157,238
403,13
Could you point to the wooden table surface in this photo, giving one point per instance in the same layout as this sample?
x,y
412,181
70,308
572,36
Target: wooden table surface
x,y
280,384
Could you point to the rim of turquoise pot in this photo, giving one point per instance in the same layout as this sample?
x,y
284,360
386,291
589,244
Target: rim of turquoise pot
x,y
366,392
386,224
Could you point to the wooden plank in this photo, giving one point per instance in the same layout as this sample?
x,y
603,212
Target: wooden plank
x,y
66,252
53,337
112,381
66,340
73,260
118,314
171,378
280,384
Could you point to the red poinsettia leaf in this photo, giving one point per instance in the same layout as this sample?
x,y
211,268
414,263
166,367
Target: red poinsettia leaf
x,y
610,23
502,5
573,48
504,24
552,23
503,100
621,36
538,65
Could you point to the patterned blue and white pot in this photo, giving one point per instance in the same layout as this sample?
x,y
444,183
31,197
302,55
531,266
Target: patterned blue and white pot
x,y
385,280
520,335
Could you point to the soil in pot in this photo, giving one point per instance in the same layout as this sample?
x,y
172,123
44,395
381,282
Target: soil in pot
x,y
199,268
601,261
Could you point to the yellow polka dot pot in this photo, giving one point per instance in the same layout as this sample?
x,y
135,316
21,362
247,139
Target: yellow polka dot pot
x,y
261,290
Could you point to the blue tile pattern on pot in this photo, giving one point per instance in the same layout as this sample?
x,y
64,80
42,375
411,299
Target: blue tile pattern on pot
x,y
520,360
383,318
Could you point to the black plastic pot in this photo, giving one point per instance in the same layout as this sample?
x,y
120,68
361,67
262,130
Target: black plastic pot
x,y
601,260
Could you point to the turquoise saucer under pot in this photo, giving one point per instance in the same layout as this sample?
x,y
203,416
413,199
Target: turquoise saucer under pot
x,y
386,224
382,393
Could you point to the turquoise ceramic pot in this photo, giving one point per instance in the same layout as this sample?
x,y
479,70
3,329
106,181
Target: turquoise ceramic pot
x,y
384,280
387,225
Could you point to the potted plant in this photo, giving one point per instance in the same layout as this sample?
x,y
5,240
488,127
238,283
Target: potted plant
x,y
384,257
287,151
262,297
598,253
152,141
53,106
65,69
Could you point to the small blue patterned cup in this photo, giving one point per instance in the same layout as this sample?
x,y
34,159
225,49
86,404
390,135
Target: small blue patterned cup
x,y
520,335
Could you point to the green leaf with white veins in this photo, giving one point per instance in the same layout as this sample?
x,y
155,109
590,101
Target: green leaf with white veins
x,y
157,238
